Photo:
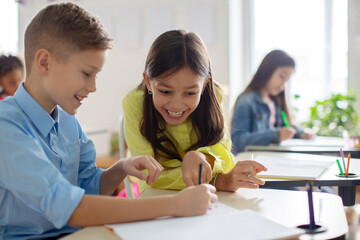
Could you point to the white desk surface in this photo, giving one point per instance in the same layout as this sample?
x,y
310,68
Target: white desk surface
x,y
289,208
328,175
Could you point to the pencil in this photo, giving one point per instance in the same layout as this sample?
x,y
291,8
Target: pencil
x,y
285,119
342,157
348,164
200,173
338,163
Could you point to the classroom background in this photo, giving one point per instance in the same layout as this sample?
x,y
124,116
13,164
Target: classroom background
x,y
322,36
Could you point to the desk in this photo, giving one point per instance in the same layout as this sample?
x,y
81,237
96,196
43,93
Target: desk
x,y
322,150
288,208
346,186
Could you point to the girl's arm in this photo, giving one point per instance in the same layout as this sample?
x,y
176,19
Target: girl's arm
x,y
98,210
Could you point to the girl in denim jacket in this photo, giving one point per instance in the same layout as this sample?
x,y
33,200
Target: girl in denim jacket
x,y
257,119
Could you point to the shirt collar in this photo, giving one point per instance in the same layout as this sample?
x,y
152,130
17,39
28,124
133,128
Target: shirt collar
x,y
41,119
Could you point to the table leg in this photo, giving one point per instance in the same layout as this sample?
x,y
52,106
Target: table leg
x,y
347,193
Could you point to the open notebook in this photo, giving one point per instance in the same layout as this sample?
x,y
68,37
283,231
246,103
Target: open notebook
x,y
293,169
221,222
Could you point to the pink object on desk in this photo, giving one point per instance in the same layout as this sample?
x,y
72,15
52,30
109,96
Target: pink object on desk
x,y
135,189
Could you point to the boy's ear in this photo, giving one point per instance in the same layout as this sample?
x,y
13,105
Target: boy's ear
x,y
146,81
42,61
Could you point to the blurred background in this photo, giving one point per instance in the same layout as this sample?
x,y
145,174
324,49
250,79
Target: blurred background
x,y
322,36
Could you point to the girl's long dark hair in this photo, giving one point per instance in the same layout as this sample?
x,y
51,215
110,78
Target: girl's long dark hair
x,y
170,52
273,60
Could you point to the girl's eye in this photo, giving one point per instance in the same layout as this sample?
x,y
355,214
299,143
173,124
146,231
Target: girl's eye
x,y
164,91
191,93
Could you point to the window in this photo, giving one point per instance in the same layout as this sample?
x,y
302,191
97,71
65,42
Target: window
x,y
314,33
9,40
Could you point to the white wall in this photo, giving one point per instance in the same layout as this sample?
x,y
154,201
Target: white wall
x,y
137,23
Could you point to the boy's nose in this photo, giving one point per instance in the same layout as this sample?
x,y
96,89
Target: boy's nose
x,y
91,87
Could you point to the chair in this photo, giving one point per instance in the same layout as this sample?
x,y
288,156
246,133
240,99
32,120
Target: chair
x,y
122,150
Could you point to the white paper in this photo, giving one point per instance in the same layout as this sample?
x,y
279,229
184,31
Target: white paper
x,y
281,167
226,223
317,142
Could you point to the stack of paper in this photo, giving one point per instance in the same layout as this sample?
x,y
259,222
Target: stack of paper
x,y
222,222
316,142
286,168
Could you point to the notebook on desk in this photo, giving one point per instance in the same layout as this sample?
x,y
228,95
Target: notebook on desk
x,y
292,169
318,141
222,222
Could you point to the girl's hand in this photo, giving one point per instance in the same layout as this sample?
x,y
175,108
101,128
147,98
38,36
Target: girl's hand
x,y
134,165
242,175
307,134
190,168
195,200
286,133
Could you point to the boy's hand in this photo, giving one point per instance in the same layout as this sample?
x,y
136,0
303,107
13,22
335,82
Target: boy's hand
x,y
195,200
242,175
190,168
286,133
134,165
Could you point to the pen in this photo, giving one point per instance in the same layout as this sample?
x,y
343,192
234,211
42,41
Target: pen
x,y
342,157
338,163
348,164
200,173
311,206
286,122
252,159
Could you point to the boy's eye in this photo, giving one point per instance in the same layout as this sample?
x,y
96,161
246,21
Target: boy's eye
x,y
87,74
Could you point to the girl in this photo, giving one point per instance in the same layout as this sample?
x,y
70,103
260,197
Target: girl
x,y
11,75
257,119
175,116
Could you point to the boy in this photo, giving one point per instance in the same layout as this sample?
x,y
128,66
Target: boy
x,y
48,176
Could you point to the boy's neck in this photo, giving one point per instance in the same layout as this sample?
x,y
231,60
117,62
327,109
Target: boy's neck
x,y
34,86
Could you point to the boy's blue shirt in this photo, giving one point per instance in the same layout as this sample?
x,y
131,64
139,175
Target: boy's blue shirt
x,y
250,124
46,165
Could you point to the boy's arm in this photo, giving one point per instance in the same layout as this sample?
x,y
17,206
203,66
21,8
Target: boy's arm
x,y
99,210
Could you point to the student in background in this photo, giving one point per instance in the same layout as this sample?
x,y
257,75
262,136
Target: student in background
x,y
175,116
11,75
48,178
257,113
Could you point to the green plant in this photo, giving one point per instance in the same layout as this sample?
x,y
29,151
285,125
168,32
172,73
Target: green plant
x,y
332,116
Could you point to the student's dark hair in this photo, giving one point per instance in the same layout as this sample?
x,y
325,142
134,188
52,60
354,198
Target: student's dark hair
x,y
171,52
273,60
64,29
10,63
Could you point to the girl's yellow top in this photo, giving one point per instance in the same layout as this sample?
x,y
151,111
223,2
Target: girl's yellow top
x,y
183,136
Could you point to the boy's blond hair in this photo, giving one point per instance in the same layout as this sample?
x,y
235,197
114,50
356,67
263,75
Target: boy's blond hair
x,y
64,29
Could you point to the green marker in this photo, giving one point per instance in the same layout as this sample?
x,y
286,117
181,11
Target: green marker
x,y
286,122
338,163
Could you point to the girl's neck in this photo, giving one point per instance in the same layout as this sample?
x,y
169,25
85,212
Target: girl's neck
x,y
265,95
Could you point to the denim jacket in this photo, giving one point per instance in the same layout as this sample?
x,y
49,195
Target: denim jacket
x,y
250,123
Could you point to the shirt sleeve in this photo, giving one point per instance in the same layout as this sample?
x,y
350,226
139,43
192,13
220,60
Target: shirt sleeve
x,y
224,159
89,176
241,134
27,173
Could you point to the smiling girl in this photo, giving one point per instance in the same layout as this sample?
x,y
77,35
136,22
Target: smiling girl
x,y
175,115
257,119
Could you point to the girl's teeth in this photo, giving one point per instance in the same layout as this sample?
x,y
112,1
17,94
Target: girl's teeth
x,y
175,114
